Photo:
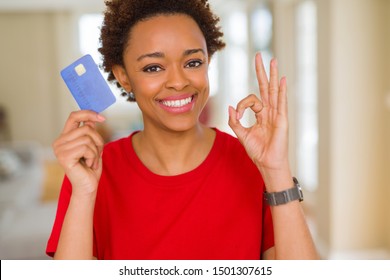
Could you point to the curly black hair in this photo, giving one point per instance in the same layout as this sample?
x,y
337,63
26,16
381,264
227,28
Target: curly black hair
x,y
121,15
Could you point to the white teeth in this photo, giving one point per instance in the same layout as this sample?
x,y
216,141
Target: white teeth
x,y
177,103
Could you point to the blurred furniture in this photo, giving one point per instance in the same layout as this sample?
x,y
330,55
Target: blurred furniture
x,y
25,219
5,134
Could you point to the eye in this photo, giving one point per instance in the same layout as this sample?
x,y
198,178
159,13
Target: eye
x,y
194,64
152,68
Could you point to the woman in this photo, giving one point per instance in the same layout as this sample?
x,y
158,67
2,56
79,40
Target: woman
x,y
176,189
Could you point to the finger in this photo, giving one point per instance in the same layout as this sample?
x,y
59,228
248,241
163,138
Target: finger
x,y
252,102
235,124
274,84
69,156
91,158
79,142
91,124
87,154
81,136
282,99
80,132
78,117
262,79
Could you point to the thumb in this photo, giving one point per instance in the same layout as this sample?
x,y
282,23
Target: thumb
x,y
234,123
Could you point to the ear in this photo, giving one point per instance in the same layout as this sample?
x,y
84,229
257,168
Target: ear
x,y
122,77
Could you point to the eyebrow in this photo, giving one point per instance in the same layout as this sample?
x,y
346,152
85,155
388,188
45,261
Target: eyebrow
x,y
192,51
161,55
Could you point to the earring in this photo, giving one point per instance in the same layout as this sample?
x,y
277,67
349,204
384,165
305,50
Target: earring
x,y
130,96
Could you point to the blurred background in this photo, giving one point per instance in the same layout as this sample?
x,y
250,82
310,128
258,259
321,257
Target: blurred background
x,y
335,55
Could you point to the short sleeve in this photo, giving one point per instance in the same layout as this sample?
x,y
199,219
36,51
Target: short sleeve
x,y
62,207
268,229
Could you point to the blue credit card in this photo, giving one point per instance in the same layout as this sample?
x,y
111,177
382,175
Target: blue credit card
x,y
87,85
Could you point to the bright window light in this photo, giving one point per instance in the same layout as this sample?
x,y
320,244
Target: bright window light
x,y
307,103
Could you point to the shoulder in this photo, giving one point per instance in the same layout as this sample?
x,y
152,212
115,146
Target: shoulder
x,y
120,144
232,150
235,161
225,136
230,143
119,149
117,144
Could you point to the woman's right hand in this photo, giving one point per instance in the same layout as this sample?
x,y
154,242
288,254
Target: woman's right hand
x,y
79,150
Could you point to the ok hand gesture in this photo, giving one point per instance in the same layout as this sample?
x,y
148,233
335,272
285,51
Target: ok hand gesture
x,y
266,142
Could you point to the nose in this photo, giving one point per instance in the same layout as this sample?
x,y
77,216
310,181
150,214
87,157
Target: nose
x,y
177,79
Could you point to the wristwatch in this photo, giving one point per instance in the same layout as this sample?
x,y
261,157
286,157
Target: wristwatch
x,y
283,197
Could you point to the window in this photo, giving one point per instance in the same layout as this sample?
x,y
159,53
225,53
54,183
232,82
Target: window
x,y
89,33
247,28
123,117
261,31
307,101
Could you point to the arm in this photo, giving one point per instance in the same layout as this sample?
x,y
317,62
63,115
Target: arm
x,y
266,142
291,233
78,150
76,239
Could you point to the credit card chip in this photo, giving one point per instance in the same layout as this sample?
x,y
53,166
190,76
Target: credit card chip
x,y
80,69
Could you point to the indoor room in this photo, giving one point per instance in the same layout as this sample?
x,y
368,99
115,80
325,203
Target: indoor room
x,y
334,54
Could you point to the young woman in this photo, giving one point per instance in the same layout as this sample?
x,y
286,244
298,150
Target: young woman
x,y
177,189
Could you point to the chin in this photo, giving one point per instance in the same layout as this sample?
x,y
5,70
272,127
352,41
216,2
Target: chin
x,y
182,125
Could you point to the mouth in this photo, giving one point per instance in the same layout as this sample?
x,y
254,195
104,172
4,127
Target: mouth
x,y
178,104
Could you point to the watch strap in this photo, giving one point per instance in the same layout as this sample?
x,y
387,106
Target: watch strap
x,y
283,197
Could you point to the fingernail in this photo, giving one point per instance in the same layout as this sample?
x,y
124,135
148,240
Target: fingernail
x,y
100,117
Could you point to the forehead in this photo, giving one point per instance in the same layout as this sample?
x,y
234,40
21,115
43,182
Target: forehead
x,y
176,31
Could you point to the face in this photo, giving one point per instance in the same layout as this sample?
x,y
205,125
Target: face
x,y
166,67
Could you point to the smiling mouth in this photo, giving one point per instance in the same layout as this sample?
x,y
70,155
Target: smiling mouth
x,y
177,103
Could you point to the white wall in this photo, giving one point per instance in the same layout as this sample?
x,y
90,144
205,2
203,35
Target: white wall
x,y
387,102
27,75
354,165
357,117
35,47
350,209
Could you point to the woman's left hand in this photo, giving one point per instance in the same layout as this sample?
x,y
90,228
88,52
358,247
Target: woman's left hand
x,y
266,142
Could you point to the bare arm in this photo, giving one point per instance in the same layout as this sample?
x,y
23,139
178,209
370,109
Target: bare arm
x,y
76,239
291,232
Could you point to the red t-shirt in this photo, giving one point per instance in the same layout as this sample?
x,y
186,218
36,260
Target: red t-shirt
x,y
215,211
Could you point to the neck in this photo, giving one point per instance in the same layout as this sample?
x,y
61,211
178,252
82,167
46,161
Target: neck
x,y
171,153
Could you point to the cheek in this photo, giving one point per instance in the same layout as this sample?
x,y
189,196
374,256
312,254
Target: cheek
x,y
205,86
147,87
201,81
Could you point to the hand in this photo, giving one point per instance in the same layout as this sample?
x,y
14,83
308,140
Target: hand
x,y
266,142
79,149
